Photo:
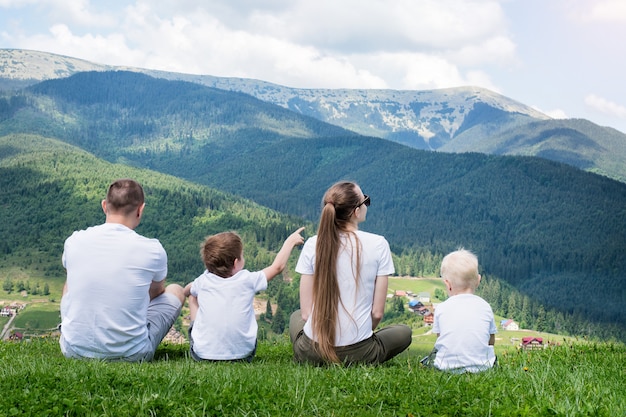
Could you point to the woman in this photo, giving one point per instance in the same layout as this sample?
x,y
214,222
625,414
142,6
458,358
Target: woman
x,y
343,288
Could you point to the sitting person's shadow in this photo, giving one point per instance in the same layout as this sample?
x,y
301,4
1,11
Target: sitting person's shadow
x,y
168,351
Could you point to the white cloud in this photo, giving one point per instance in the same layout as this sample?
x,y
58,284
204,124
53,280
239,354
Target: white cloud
x,y
605,106
497,49
110,49
405,44
595,11
609,10
82,13
481,79
17,3
376,25
554,113
412,71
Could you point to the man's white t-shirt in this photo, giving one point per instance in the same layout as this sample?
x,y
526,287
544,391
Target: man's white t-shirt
x,y
109,271
225,327
464,323
354,322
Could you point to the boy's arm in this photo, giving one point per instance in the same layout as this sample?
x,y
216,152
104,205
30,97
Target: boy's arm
x,y
492,339
280,262
188,289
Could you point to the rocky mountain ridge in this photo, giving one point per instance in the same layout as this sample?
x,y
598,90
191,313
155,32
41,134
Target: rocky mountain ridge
x,y
456,120
416,116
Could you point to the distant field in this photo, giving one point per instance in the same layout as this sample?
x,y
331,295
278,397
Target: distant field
x,y
416,285
38,316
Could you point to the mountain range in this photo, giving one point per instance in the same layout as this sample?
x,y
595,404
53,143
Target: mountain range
x,y
553,231
464,119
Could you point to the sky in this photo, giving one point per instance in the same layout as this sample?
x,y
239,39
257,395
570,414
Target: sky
x,y
566,58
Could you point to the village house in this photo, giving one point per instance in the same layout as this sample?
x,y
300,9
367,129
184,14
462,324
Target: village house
x,y
532,343
400,293
509,324
16,336
414,305
424,297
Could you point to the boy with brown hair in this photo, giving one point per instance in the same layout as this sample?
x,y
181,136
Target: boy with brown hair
x,y
223,325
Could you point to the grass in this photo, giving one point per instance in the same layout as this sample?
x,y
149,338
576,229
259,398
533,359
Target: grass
x,y
569,380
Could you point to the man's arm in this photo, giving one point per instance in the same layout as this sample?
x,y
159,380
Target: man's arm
x,y
156,288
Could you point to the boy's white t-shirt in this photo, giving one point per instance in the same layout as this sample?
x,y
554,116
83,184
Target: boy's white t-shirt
x,y
464,323
354,322
225,327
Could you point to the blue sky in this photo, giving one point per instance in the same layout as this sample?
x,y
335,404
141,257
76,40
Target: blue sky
x,y
567,58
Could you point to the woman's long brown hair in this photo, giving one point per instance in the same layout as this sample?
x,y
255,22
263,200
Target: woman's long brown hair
x,y
338,204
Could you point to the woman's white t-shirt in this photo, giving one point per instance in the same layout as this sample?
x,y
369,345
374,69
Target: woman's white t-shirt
x,y
354,322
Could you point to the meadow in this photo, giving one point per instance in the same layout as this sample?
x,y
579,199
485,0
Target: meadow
x,y
578,379
38,317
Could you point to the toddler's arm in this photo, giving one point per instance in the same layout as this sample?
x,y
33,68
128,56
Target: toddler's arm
x,y
280,262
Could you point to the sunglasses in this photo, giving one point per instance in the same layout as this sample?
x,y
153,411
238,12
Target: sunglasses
x,y
367,201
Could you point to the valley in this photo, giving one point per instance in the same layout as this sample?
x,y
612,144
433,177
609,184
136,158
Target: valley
x,y
550,236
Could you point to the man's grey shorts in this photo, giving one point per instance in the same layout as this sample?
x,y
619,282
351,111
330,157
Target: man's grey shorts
x,y
162,313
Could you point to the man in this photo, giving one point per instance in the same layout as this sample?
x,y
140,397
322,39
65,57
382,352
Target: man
x,y
115,304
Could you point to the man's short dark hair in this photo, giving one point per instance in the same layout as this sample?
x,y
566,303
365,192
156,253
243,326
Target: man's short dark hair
x,y
124,196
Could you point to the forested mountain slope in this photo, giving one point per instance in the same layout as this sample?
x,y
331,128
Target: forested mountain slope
x,y
48,189
552,230
115,112
575,142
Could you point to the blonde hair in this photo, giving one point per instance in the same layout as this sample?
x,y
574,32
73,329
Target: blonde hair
x,y
461,269
338,204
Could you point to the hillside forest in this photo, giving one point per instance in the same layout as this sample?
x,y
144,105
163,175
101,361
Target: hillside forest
x,y
550,237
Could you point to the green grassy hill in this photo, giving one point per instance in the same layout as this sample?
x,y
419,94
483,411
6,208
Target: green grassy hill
x,y
570,380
